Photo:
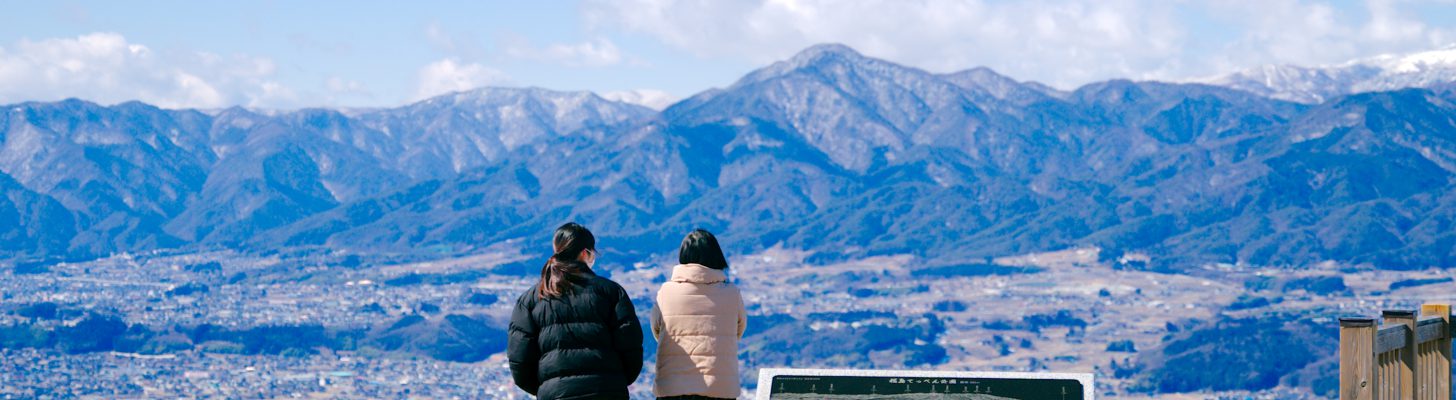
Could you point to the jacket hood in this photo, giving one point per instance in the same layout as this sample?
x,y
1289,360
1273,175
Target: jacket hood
x,y
696,273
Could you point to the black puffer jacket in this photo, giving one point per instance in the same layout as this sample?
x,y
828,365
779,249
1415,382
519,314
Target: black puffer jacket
x,y
586,344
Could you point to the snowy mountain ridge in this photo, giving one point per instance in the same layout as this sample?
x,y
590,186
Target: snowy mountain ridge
x,y
1316,84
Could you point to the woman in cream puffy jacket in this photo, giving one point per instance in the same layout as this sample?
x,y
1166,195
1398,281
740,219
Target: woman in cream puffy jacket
x,y
697,322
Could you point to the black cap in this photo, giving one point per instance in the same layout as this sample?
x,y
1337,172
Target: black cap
x,y
1398,313
1356,322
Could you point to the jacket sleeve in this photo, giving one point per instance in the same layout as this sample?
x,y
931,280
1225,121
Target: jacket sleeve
x,y
656,321
742,316
628,337
523,350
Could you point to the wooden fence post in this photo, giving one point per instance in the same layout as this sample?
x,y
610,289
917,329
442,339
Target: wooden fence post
x,y
1438,383
1357,358
1406,381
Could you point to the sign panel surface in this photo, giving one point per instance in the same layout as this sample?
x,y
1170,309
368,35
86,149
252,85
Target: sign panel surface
x,y
796,384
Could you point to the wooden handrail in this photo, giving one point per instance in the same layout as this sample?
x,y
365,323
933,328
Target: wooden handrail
x,y
1407,356
1431,328
1390,338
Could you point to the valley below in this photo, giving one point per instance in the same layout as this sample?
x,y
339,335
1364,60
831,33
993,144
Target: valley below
x,y
337,325
1175,239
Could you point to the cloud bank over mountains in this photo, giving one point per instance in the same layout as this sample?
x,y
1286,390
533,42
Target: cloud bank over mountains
x,y
107,68
1063,43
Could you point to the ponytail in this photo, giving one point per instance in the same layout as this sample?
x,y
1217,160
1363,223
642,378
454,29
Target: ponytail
x,y
564,268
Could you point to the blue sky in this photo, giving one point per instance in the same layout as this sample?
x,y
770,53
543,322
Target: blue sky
x,y
366,53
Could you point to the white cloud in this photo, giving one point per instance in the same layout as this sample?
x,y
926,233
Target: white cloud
x,y
452,75
338,91
1061,42
458,44
599,52
650,98
345,86
1301,33
106,68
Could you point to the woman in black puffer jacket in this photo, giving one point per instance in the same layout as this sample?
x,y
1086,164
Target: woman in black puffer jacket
x,y
574,335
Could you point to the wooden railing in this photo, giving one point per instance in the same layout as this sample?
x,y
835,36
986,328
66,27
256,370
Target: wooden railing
x,y
1406,356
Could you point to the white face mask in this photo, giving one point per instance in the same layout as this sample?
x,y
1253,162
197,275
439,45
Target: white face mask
x,y
593,261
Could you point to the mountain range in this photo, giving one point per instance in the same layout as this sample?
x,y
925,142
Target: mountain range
x,y
1317,84
830,151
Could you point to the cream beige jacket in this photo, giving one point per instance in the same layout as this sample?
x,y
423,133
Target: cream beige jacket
x,y
697,322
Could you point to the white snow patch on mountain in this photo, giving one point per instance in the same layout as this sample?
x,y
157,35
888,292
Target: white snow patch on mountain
x,y
1317,84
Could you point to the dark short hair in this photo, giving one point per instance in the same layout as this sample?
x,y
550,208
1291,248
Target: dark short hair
x,y
700,247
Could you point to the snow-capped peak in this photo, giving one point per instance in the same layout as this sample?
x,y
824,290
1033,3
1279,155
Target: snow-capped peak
x,y
650,98
1317,84
819,51
1415,62
817,57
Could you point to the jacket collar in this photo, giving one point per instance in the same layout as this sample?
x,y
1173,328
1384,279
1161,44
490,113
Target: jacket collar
x,y
696,273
